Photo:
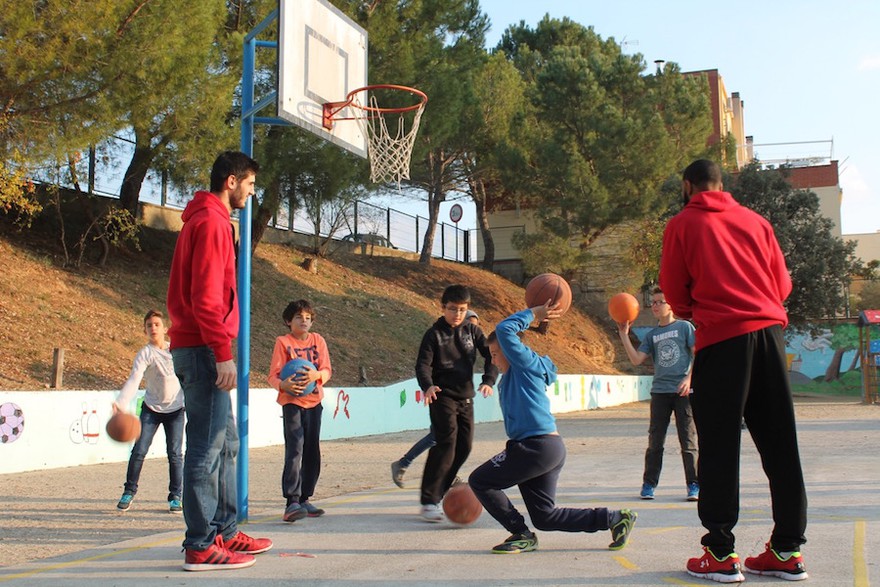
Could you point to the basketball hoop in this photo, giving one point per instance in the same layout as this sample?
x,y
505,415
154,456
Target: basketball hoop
x,y
389,153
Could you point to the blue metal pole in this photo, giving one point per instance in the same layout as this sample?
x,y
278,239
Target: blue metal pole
x,y
244,284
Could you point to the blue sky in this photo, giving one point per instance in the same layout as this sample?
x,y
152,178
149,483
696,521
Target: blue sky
x,y
806,70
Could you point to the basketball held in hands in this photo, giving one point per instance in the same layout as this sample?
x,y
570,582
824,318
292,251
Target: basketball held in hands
x,y
623,307
548,286
295,366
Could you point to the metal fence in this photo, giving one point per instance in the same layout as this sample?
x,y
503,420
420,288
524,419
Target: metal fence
x,y
102,169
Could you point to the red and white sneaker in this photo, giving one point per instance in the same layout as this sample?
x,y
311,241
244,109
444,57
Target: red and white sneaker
x,y
241,542
216,558
723,570
770,563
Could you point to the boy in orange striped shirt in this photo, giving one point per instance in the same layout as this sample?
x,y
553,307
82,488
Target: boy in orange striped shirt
x,y
301,412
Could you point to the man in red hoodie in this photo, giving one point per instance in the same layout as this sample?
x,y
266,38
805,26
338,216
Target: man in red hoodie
x,y
203,307
722,268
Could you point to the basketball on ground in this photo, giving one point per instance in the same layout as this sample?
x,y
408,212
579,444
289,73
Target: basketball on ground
x,y
548,286
123,427
623,307
461,506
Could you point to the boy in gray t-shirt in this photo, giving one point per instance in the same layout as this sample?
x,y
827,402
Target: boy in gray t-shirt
x,y
670,345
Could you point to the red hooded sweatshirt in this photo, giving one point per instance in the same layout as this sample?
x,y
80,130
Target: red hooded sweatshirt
x,y
722,267
202,295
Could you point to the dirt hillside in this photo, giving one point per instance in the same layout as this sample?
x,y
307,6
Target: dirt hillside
x,y
371,308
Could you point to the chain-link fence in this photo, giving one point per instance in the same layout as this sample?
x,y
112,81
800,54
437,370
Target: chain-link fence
x,y
102,169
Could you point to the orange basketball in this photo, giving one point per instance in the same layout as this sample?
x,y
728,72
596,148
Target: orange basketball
x,y
461,506
623,307
548,286
123,427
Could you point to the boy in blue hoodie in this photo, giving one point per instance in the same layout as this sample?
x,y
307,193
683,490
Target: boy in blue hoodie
x,y
534,454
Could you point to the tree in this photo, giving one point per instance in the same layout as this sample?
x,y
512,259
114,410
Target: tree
x,y
821,264
605,136
179,91
55,81
500,103
309,174
436,47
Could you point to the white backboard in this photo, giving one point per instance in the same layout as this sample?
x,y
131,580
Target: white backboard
x,y
322,56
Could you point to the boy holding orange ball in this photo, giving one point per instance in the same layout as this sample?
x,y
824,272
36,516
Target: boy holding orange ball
x,y
671,346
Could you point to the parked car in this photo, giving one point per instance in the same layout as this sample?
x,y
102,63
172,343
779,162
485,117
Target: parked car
x,y
368,239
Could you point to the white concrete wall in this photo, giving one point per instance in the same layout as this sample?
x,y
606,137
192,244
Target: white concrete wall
x,y
66,428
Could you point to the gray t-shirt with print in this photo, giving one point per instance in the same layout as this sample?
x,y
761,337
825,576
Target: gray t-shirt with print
x,y
671,347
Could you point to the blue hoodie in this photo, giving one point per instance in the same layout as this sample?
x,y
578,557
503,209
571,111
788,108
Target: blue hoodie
x,y
522,392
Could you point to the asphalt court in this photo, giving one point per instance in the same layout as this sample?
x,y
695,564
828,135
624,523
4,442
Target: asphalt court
x,y
375,537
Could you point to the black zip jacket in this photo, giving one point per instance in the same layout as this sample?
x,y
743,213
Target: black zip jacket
x,y
447,356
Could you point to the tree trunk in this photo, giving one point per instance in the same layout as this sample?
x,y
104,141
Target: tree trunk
x,y
436,195
263,212
832,373
141,160
479,193
854,363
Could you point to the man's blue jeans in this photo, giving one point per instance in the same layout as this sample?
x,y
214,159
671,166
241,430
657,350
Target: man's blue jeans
x,y
150,422
210,497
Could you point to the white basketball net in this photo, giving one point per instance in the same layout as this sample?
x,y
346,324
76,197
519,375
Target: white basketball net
x,y
389,155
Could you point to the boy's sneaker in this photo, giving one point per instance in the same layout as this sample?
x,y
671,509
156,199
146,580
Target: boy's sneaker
x,y
517,543
397,473
647,491
294,512
175,506
621,530
723,570
693,492
770,563
312,511
431,512
243,543
216,558
125,501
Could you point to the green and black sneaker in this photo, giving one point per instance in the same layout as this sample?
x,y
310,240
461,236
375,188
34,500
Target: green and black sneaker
x,y
517,543
621,530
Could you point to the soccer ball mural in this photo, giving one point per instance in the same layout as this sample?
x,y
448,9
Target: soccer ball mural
x,y
11,422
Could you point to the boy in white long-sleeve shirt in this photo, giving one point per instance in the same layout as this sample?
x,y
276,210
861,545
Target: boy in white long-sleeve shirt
x,y
163,405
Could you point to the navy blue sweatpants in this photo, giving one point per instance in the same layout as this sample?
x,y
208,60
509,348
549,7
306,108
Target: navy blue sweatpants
x,y
534,465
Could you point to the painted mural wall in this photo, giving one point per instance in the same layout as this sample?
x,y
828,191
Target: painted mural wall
x,y
52,429
812,357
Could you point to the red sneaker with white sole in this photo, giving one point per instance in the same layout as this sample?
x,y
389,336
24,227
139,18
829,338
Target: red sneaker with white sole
x,y
216,558
770,563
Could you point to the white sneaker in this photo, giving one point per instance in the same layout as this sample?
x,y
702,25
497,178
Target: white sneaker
x,y
431,512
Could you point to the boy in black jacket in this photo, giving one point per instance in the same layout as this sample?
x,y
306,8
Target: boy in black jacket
x,y
445,371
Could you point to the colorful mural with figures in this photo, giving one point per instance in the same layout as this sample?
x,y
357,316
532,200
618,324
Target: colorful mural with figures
x,y
826,361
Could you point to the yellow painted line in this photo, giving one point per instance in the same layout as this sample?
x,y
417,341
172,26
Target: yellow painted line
x,y
73,563
677,581
654,531
626,563
860,568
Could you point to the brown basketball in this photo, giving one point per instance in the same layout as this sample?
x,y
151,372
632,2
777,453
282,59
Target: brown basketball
x,y
623,307
123,427
461,506
548,286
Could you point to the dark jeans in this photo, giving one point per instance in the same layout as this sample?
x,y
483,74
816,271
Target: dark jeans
x,y
453,424
209,488
534,465
421,445
150,422
663,405
746,377
302,451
